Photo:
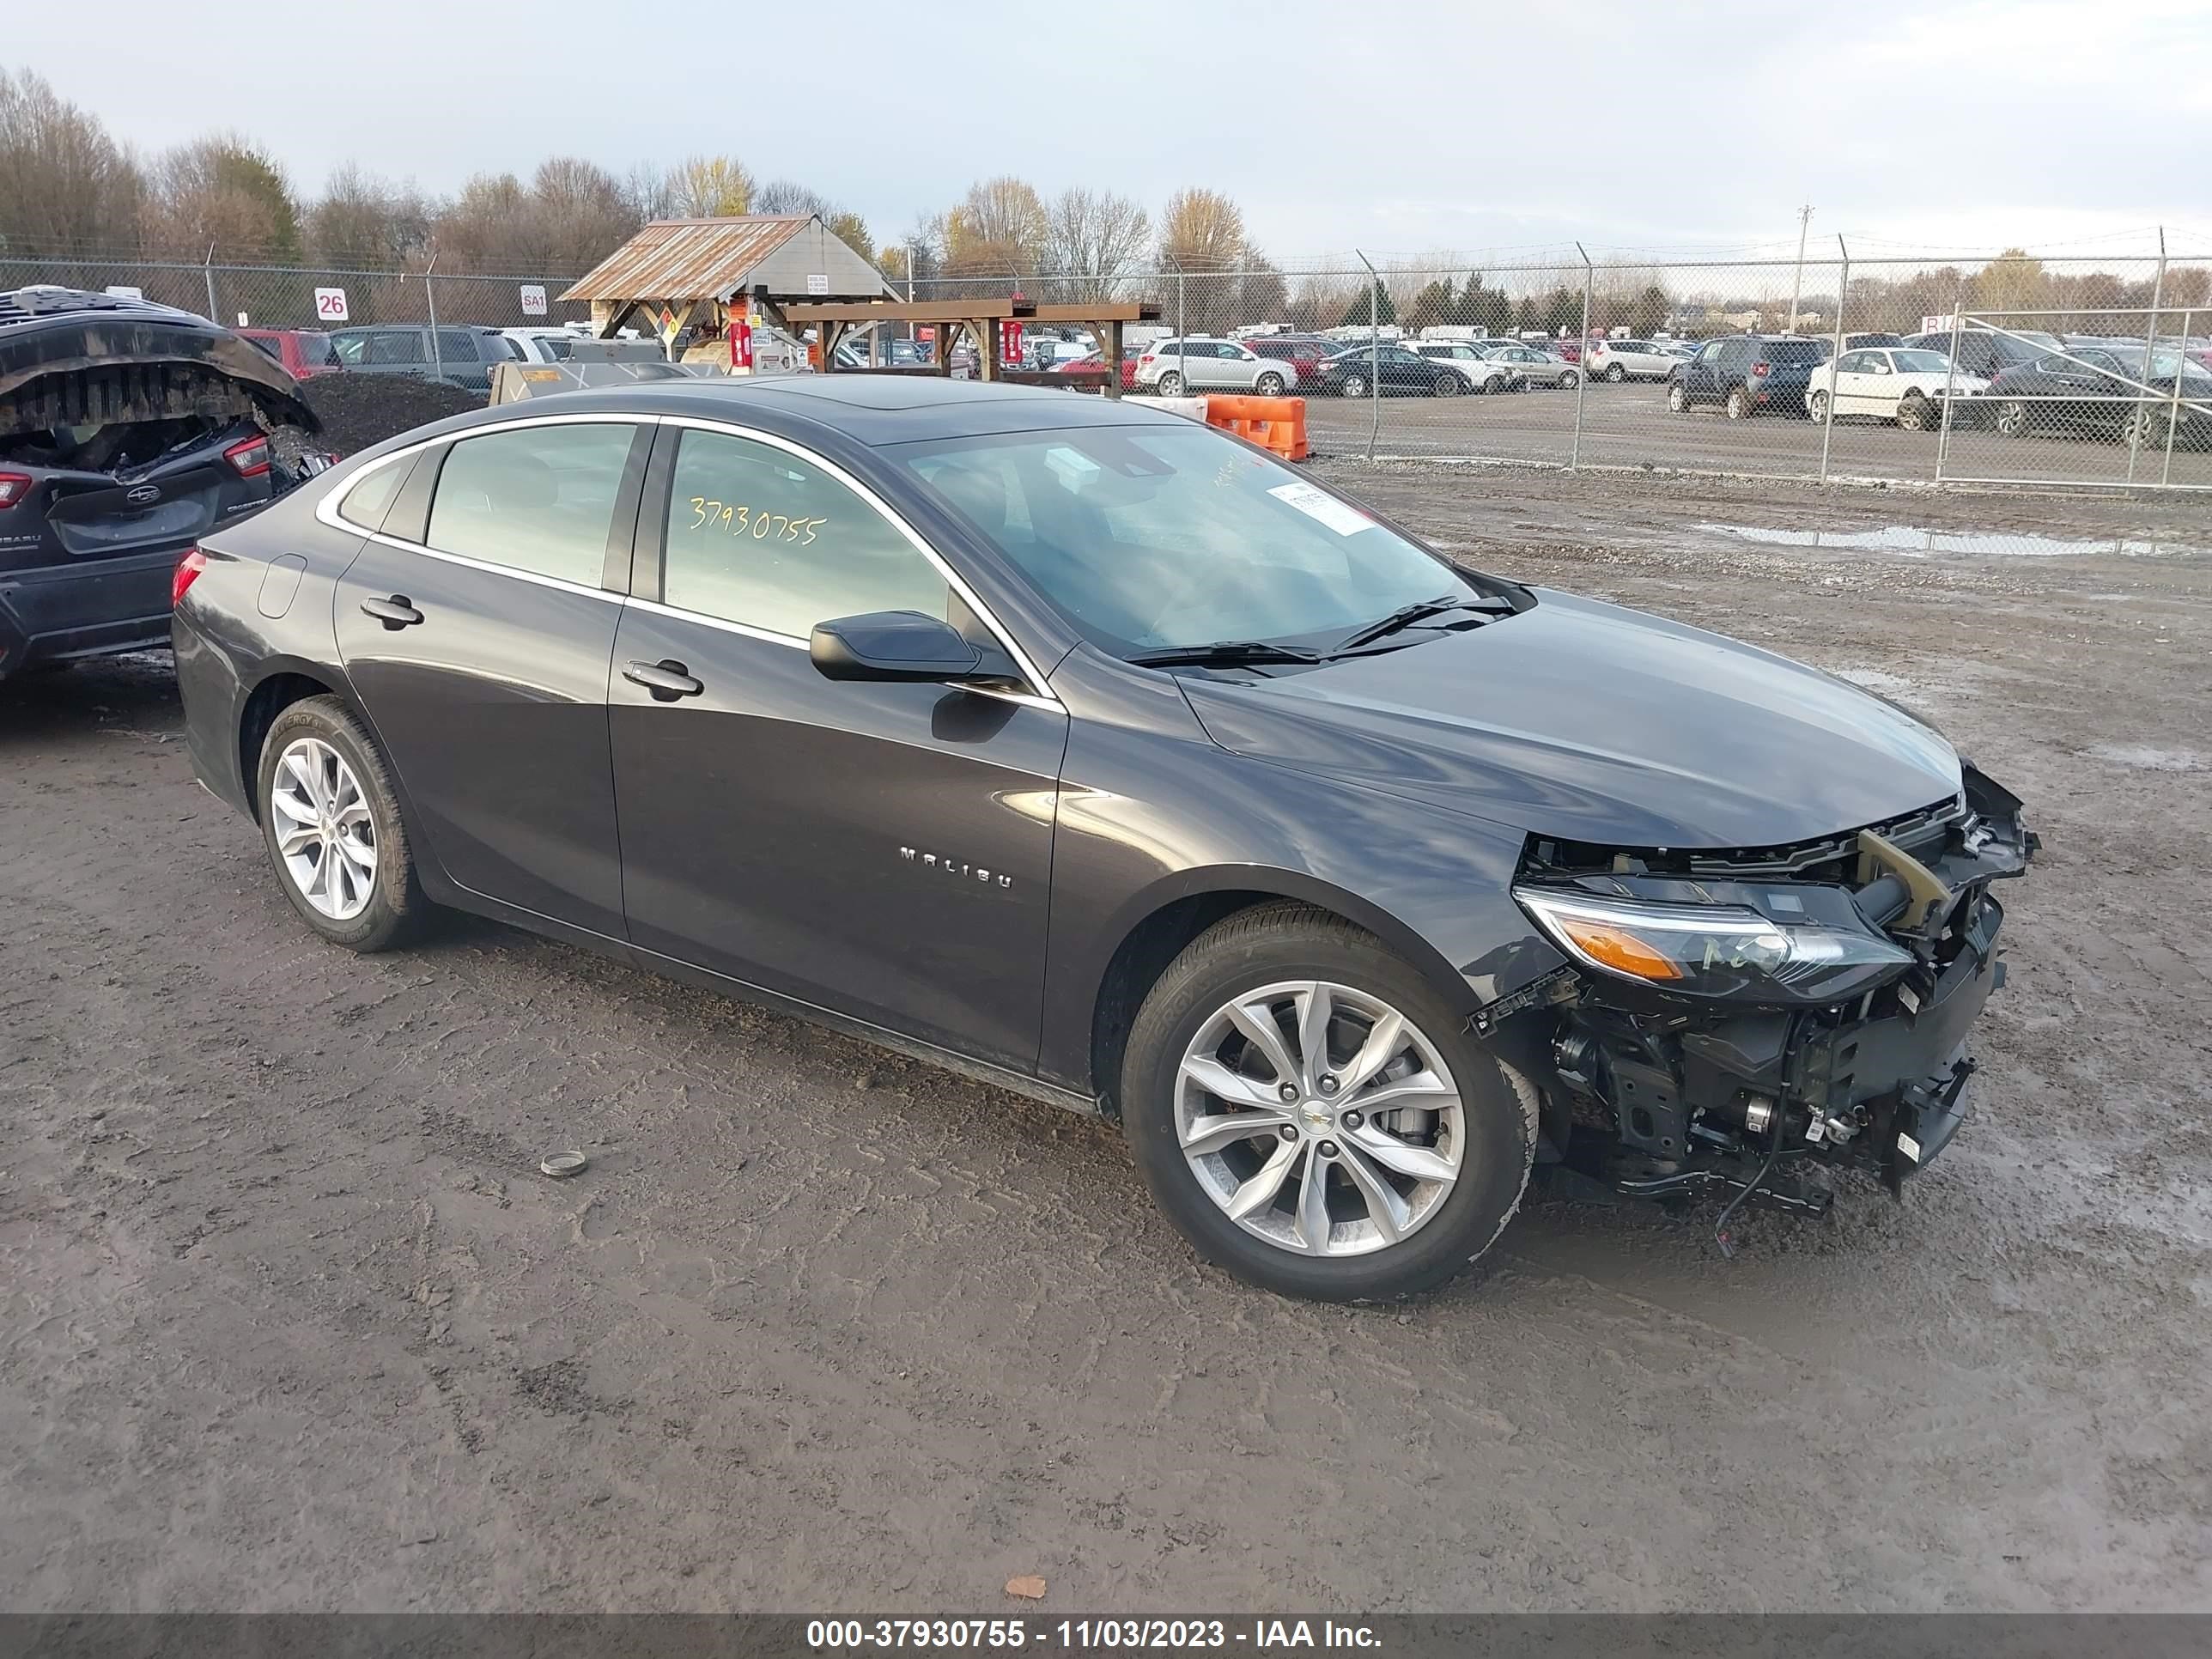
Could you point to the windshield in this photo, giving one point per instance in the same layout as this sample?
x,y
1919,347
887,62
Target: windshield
x,y
1152,537
1920,362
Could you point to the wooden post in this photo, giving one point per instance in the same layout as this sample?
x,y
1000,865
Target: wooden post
x,y
1108,336
985,330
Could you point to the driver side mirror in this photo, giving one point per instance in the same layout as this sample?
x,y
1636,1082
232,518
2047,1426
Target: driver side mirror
x,y
902,645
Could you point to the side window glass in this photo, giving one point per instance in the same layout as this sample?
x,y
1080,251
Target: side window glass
x,y
1855,363
370,499
539,498
760,537
456,347
406,346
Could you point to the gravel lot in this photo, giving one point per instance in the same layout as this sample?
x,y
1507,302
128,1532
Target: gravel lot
x,y
1630,425
291,1321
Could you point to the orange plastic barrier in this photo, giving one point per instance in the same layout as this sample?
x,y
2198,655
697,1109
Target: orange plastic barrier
x,y
1275,424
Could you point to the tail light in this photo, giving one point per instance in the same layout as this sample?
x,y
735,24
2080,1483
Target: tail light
x,y
186,573
14,486
249,457
1761,368
1146,358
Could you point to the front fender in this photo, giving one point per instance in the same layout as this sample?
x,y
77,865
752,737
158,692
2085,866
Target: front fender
x,y
1151,812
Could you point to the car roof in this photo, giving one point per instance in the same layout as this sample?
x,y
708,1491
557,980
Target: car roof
x,y
868,410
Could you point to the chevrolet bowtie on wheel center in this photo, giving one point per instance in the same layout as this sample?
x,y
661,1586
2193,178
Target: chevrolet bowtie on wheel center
x,y
1101,756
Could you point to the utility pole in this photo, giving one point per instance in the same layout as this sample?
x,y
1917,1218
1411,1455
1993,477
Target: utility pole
x,y
1797,282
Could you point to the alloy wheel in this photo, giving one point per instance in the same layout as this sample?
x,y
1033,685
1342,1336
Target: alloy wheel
x,y
2012,418
325,833
1816,408
1354,386
1319,1119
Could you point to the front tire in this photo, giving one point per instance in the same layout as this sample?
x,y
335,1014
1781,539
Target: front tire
x,y
329,818
2012,418
1568,381
1816,408
1269,386
1915,413
1402,1150
1678,397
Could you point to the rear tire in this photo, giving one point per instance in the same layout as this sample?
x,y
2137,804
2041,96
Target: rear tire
x,y
1171,384
1447,385
324,728
1616,374
1457,1170
1355,385
1738,403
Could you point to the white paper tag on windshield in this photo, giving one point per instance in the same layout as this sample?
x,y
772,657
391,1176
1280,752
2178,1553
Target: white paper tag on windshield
x,y
1323,507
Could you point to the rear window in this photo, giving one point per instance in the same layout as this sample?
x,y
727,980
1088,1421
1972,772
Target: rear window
x,y
1794,351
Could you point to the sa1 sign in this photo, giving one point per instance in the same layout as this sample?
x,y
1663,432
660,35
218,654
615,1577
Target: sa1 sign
x,y
534,300
331,304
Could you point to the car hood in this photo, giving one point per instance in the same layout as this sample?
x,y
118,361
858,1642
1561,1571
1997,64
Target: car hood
x,y
1590,722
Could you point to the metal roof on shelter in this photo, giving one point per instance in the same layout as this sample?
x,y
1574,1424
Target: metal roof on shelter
x,y
681,259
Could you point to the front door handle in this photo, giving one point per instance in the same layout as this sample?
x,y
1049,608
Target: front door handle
x,y
394,612
667,680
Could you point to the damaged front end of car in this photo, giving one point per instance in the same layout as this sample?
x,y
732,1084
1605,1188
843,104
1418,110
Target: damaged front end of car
x,y
1728,1018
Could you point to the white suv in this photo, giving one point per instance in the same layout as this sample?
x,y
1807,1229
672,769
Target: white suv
x,y
1627,359
1201,363
1469,357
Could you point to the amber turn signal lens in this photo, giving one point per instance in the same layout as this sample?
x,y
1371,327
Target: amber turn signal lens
x,y
1618,948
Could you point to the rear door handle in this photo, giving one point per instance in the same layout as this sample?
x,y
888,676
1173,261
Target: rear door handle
x,y
667,680
394,612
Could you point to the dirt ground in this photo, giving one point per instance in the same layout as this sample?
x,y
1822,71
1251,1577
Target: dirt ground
x,y
290,1321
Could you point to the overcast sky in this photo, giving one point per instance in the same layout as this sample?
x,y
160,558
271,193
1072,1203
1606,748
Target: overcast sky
x,y
1396,127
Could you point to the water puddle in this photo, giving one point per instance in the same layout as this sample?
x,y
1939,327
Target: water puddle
x,y
1910,543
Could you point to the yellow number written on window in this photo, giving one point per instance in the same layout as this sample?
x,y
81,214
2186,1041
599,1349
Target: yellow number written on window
x,y
735,518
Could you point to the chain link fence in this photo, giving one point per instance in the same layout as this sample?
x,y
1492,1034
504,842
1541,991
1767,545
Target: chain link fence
x,y
1836,369
2086,372
274,296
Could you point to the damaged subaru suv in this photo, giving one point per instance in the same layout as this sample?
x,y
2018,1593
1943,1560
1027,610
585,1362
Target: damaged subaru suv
x,y
127,430
1087,750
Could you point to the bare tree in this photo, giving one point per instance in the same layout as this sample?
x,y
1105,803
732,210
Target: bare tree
x,y
1093,240
1202,241
362,222
996,233
786,196
66,185
709,187
223,192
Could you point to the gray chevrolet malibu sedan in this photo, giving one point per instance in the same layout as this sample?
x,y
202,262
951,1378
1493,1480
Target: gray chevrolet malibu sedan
x,y
1086,750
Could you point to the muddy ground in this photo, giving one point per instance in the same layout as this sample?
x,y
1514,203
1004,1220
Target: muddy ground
x,y
290,1322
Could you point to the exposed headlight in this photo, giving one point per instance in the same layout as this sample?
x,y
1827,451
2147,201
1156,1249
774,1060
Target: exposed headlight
x,y
1712,950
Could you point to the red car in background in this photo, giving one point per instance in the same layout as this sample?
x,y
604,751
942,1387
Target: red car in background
x,y
1092,370
1305,354
1567,351
304,352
